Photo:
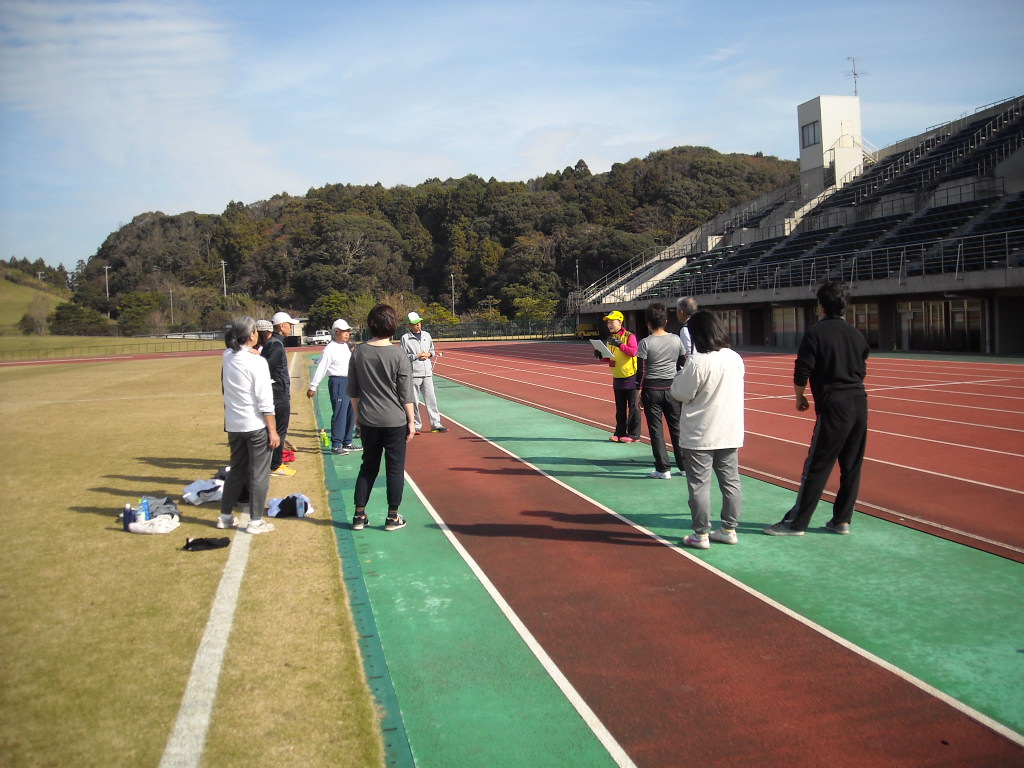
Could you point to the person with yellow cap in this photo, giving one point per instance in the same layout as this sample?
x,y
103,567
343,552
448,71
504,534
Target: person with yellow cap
x,y
623,346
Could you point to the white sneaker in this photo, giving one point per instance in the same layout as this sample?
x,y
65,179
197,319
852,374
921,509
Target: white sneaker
x,y
259,526
697,541
666,475
725,536
226,521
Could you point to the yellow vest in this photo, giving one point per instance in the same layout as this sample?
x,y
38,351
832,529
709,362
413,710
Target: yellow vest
x,y
625,366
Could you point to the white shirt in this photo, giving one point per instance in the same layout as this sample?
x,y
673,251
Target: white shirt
x,y
710,387
248,392
333,362
684,334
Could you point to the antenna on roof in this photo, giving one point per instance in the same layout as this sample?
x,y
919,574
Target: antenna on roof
x,y
855,74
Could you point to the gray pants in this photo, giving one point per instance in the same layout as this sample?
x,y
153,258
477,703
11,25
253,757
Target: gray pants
x,y
726,466
250,466
425,394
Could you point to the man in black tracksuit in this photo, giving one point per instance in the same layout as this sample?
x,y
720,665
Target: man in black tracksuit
x,y
277,360
833,356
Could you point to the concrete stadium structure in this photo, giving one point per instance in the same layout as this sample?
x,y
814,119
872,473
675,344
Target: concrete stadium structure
x,y
928,232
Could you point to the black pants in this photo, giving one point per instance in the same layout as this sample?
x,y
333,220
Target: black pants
x,y
627,416
840,434
282,415
661,407
389,442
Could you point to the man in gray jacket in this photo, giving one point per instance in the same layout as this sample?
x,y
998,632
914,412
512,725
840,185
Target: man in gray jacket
x,y
419,346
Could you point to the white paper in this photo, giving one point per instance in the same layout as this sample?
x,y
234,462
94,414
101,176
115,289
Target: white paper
x,y
600,347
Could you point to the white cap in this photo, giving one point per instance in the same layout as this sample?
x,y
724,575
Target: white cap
x,y
341,325
283,317
414,318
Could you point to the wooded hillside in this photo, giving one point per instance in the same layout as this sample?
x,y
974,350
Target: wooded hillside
x,y
496,241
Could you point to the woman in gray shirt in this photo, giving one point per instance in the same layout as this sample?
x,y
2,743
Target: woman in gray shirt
x,y
380,386
659,356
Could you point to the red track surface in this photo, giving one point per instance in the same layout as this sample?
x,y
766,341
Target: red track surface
x,y
680,665
945,449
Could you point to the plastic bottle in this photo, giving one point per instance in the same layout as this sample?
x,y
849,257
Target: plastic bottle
x,y
325,440
129,516
143,509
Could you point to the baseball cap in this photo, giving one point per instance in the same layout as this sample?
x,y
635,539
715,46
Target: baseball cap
x,y
616,315
283,317
341,325
414,318
264,325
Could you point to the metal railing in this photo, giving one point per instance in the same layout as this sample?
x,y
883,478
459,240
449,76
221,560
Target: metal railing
x,y
954,257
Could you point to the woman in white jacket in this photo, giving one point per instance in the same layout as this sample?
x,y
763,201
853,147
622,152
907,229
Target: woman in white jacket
x,y
249,422
710,387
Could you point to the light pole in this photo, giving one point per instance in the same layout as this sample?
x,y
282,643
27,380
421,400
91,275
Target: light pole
x,y
223,277
453,295
106,278
171,292
578,297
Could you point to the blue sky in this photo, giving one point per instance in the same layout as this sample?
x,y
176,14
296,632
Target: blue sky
x,y
111,108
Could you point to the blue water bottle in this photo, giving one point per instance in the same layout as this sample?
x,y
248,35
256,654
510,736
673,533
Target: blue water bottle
x,y
143,509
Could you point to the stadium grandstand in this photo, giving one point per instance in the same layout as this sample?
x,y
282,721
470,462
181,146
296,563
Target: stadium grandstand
x,y
928,233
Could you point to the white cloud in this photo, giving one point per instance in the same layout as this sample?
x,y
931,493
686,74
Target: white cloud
x,y
109,108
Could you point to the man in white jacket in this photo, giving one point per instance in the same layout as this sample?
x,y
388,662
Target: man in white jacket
x,y
419,346
710,387
334,364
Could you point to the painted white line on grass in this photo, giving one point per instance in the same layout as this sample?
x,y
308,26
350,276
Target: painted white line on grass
x,y
972,713
618,754
185,747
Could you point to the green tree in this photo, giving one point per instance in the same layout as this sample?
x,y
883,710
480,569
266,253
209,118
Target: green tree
x,y
534,309
69,319
139,312
353,307
34,320
438,316
488,312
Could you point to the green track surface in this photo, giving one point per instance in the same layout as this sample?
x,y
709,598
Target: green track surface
x,y
469,688
463,684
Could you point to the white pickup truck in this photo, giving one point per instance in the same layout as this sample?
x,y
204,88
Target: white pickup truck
x,y
320,337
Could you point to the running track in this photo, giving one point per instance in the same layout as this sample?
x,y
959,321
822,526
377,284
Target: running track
x,y
679,663
945,446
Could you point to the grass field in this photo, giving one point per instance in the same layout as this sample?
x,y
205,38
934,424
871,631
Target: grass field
x,y
14,302
99,628
60,347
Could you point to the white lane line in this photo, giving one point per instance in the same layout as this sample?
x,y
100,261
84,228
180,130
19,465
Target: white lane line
x,y
972,713
871,431
188,738
618,754
883,462
185,746
785,482
575,417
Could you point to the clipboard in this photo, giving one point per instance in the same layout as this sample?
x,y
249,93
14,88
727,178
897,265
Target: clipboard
x,y
600,347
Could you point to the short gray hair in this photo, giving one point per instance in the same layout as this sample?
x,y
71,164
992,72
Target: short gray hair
x,y
242,327
688,305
